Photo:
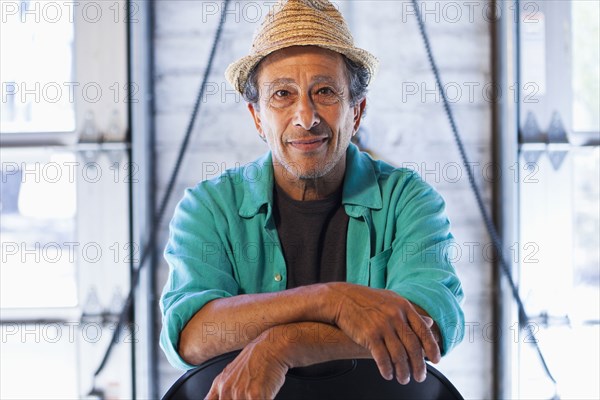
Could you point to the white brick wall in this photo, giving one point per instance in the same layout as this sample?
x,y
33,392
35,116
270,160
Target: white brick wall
x,y
405,124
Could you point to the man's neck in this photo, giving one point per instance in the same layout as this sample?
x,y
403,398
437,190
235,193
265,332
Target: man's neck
x,y
311,189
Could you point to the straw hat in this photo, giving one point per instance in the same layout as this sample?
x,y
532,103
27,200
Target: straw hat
x,y
299,23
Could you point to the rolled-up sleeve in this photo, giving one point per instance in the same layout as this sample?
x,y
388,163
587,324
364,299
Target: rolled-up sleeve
x,y
199,268
419,268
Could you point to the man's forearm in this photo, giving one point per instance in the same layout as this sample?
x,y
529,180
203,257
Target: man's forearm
x,y
301,344
229,324
260,368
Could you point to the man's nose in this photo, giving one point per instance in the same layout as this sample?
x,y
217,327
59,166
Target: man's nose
x,y
306,115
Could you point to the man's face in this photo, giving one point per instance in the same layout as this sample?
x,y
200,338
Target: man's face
x,y
304,110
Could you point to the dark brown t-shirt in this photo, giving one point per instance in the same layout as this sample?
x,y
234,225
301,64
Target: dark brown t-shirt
x,y
313,238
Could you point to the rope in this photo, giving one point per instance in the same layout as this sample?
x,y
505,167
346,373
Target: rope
x,y
126,310
491,228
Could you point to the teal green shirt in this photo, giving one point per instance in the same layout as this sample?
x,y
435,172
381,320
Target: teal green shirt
x,y
223,242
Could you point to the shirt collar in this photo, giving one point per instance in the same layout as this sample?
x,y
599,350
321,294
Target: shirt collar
x,y
360,184
257,182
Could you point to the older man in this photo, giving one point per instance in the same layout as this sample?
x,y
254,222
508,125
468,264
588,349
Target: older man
x,y
314,252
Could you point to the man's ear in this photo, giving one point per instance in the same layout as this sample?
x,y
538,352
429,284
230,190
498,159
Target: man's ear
x,y
256,117
359,110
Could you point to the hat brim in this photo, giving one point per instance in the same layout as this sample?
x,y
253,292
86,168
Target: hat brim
x,y
237,72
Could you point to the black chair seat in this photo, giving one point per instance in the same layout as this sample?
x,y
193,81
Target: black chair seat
x,y
345,379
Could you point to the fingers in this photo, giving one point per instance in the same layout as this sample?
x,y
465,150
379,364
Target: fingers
x,y
415,356
399,358
407,345
412,353
213,393
398,351
382,359
249,376
422,326
428,321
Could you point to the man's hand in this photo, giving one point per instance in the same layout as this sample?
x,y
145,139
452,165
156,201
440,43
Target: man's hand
x,y
256,373
389,326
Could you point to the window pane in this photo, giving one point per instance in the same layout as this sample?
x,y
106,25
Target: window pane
x,y
36,98
39,361
586,231
563,296
586,65
37,225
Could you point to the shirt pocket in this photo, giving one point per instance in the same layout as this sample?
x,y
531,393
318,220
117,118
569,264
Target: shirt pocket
x,y
378,269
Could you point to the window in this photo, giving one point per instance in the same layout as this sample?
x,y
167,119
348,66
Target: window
x,y
65,191
38,224
36,99
586,71
559,273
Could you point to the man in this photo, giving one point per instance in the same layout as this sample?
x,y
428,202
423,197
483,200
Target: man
x,y
314,252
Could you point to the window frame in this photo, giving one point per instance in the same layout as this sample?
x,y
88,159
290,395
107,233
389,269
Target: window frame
x,y
519,141
101,55
99,47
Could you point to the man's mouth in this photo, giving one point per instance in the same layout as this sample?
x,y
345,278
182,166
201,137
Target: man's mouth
x,y
308,144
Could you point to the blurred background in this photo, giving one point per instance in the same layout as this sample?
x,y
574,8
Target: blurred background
x,y
96,99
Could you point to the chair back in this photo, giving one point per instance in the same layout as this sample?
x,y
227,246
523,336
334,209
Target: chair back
x,y
344,379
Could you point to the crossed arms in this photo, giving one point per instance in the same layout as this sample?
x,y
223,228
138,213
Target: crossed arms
x,y
308,325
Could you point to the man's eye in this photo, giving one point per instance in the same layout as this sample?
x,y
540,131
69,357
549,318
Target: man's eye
x,y
282,98
327,91
327,96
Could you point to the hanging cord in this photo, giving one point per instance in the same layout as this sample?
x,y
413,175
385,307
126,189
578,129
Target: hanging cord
x,y
149,249
523,318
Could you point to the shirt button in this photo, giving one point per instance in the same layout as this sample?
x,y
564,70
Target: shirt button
x,y
277,277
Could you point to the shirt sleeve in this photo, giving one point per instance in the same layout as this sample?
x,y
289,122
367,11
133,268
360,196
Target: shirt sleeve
x,y
199,268
419,268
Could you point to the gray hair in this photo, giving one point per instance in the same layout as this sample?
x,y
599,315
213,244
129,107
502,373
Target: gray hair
x,y
358,76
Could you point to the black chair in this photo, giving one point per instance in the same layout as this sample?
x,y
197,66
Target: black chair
x,y
344,379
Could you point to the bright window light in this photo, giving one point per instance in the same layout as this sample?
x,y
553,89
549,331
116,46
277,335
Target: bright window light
x,y
37,99
586,65
38,231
